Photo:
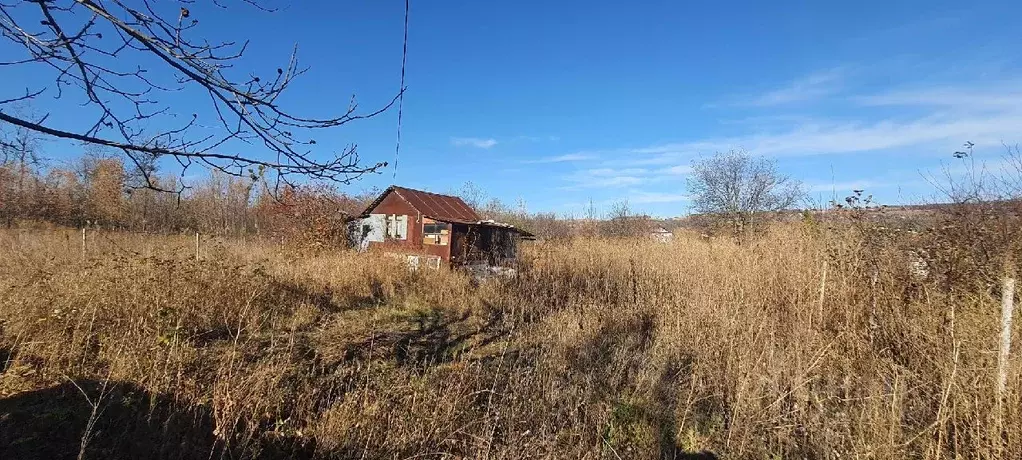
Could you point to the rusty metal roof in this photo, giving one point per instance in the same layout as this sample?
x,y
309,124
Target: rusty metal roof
x,y
433,205
490,223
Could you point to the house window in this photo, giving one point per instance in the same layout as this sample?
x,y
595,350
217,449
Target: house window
x,y
397,227
436,233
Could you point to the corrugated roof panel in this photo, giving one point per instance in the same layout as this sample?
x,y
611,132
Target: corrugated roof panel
x,y
441,207
436,206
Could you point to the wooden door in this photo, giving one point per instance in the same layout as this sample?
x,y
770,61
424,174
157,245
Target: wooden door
x,y
457,244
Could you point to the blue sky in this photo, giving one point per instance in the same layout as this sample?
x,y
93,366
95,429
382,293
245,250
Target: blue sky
x,y
560,103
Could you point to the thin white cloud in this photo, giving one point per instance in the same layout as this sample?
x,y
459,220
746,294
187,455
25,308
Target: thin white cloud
x,y
604,178
612,172
994,96
921,123
538,138
564,158
933,133
473,142
640,197
812,87
678,170
845,187
609,181
623,176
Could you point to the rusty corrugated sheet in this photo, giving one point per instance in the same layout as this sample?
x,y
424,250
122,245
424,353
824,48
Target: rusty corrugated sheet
x,y
440,207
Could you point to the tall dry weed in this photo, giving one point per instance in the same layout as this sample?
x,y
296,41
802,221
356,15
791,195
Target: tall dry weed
x,y
802,343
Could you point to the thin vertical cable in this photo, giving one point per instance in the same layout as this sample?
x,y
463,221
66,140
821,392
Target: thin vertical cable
x,y
401,95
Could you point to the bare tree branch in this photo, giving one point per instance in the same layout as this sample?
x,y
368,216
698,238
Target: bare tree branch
x,y
126,57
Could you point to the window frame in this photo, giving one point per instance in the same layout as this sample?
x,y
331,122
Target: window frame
x,y
437,235
397,226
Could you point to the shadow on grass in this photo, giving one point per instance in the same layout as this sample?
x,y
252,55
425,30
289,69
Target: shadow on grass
x,y
704,455
127,423
6,357
424,338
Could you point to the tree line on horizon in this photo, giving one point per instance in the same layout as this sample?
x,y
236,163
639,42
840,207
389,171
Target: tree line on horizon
x,y
733,191
97,190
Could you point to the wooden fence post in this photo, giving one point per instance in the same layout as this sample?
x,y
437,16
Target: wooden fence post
x,y
1007,309
823,292
196,246
83,242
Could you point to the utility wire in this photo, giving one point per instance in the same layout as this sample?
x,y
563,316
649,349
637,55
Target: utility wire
x,y
401,95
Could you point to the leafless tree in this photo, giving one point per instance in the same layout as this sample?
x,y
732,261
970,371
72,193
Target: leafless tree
x,y
119,63
622,222
472,195
20,147
736,187
19,159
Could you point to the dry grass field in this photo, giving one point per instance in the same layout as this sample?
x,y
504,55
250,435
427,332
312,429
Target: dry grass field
x,y
802,343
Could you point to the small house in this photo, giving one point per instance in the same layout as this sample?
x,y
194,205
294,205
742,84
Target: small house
x,y
662,235
434,229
